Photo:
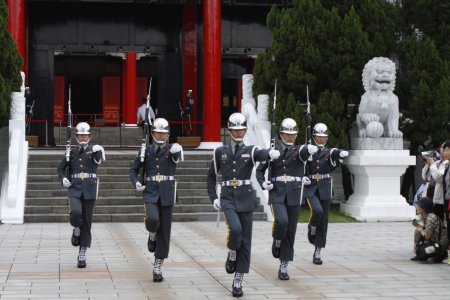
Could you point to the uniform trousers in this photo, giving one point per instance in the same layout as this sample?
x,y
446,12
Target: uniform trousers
x,y
158,219
81,212
285,227
240,226
319,209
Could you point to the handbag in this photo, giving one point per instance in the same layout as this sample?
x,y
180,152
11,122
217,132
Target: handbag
x,y
428,249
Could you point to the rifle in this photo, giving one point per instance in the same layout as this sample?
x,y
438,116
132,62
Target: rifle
x,y
145,137
273,130
182,118
308,118
189,104
69,131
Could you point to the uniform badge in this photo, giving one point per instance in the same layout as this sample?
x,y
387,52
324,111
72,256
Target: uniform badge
x,y
245,155
224,157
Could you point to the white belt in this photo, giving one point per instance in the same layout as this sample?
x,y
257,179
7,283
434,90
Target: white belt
x,y
319,176
236,182
84,175
159,178
286,178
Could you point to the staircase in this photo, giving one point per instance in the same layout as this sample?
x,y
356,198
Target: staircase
x,y
46,199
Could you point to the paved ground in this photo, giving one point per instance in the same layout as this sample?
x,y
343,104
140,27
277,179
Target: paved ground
x,y
361,261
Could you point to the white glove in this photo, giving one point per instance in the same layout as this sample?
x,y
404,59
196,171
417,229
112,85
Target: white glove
x,y
306,180
274,154
66,183
97,148
139,186
175,148
343,154
216,204
312,149
267,185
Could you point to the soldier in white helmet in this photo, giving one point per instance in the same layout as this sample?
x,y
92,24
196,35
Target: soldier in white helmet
x,y
285,187
318,194
82,182
159,190
235,162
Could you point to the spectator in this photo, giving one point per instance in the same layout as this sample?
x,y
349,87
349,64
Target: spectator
x,y
436,170
432,231
140,117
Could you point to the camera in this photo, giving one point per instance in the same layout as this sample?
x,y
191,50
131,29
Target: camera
x,y
434,154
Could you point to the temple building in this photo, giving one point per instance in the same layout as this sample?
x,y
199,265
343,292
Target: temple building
x,y
106,53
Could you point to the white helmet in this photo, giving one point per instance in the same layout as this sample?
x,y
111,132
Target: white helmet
x,y
288,126
160,125
320,129
83,128
237,121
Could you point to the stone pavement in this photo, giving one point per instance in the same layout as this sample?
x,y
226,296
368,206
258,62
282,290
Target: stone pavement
x,y
361,261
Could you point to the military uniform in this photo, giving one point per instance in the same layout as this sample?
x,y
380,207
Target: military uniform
x,y
237,198
319,193
84,189
284,198
160,192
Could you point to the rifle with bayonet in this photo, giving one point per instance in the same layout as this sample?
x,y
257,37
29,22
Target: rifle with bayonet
x,y
146,137
273,130
308,119
69,130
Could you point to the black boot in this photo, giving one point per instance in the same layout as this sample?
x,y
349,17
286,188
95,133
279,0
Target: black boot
x,y
311,234
82,258
151,243
157,273
276,248
317,259
230,264
237,285
75,237
282,272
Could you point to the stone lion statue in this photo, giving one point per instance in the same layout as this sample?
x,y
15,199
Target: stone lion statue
x,y
378,113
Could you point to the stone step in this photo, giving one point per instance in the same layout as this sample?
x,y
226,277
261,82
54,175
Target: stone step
x,y
118,171
177,217
185,178
61,192
112,186
182,200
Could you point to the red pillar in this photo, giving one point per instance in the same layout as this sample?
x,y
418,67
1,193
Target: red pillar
x,y
212,70
129,89
190,59
17,28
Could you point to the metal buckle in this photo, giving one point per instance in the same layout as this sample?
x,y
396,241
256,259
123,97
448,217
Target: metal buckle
x,y
234,183
159,178
317,177
285,178
82,175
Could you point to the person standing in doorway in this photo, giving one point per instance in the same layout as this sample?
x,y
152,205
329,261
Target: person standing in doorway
x,y
237,198
159,190
285,188
319,193
82,182
140,116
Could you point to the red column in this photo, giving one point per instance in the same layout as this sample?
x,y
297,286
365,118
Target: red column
x,y
190,59
17,28
129,92
212,71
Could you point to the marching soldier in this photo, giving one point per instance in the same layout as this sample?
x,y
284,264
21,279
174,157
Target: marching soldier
x,y
82,183
318,193
159,190
237,198
285,186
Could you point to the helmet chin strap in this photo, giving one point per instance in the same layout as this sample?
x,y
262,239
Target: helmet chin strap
x,y
286,143
159,143
236,139
319,145
83,143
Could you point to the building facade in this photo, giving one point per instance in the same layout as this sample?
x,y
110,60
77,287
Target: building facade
x,y
105,53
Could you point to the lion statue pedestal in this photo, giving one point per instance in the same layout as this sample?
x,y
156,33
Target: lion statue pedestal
x,y
377,159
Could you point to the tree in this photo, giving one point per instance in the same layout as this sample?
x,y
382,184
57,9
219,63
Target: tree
x,y
10,63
